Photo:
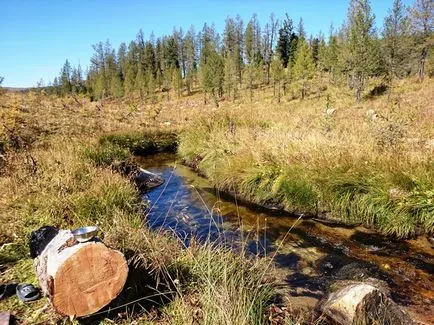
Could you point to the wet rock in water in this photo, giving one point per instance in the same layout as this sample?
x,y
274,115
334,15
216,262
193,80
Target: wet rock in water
x,y
363,303
145,180
357,271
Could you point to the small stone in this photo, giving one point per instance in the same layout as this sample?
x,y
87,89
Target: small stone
x,y
330,111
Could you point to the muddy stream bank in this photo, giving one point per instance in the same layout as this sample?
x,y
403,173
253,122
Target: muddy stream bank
x,y
309,254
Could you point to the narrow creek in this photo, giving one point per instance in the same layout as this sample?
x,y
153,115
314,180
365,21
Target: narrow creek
x,y
308,254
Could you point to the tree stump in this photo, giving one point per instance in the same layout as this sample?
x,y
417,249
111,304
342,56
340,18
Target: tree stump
x,y
80,278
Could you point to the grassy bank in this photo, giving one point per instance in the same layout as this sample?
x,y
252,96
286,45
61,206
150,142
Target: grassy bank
x,y
369,163
57,169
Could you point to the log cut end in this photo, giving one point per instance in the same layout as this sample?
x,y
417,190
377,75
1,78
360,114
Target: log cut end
x,y
89,280
80,278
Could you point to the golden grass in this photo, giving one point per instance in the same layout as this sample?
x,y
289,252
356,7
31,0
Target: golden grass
x,y
369,162
57,170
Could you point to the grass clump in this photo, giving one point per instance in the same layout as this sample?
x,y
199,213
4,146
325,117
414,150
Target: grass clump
x,y
226,289
142,143
107,154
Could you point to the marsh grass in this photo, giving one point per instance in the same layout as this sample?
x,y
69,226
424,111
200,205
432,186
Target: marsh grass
x,y
66,178
204,282
56,168
368,163
226,289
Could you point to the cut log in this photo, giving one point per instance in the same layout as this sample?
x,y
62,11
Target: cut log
x,y
80,278
363,303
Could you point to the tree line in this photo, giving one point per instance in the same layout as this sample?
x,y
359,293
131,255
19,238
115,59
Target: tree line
x,y
245,57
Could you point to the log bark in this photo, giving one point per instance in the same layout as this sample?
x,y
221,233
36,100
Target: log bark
x,y
364,303
342,305
80,278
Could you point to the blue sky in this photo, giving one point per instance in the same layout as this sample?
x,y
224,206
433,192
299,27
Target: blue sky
x,y
37,36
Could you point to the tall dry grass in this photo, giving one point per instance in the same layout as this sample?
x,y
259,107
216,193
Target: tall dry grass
x,y
369,163
58,169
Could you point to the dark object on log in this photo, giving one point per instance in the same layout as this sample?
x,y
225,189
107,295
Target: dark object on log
x,y
40,238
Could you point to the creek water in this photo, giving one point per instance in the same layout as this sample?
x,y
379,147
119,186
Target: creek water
x,y
309,254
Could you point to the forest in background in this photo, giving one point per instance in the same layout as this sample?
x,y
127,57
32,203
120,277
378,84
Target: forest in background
x,y
245,57
333,149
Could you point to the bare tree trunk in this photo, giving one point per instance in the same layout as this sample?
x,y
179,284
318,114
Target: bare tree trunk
x,y
268,73
358,80
422,64
251,90
274,89
215,98
278,92
188,88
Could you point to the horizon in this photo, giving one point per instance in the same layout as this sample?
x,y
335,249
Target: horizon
x,y
33,50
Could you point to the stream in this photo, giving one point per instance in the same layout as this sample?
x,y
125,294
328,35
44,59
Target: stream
x,y
309,254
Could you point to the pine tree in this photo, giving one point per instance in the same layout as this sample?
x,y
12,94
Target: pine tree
x,y
212,73
396,41
328,55
362,52
167,81
151,86
56,86
231,76
116,88
77,84
122,60
277,73
300,30
140,81
249,42
314,45
177,81
180,42
252,74
159,62
269,38
287,42
149,58
190,44
171,55
304,66
65,78
422,20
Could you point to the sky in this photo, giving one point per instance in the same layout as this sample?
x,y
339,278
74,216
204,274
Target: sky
x,y
36,37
